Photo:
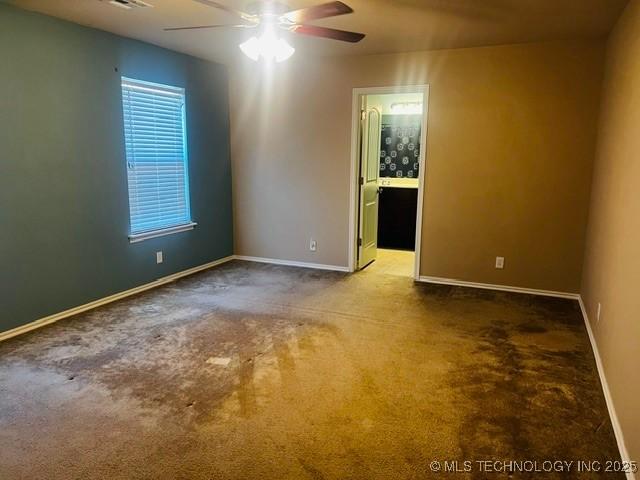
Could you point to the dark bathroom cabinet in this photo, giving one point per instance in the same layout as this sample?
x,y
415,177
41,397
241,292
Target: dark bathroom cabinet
x,y
397,210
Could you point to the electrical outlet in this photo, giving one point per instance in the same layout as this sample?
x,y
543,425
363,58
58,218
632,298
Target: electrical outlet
x,y
159,258
313,245
598,312
500,262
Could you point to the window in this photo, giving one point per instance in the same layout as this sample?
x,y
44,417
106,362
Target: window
x,y
157,173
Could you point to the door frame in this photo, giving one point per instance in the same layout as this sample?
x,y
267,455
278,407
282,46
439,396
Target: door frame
x,y
354,184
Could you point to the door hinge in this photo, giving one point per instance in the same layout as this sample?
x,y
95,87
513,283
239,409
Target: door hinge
x,y
361,180
363,114
359,242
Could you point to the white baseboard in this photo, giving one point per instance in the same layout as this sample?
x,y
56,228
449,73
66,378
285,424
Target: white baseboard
x,y
292,263
503,288
103,301
617,429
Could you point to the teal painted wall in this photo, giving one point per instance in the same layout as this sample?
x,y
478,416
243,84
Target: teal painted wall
x,y
64,215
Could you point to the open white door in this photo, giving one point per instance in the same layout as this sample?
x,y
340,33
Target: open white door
x,y
369,169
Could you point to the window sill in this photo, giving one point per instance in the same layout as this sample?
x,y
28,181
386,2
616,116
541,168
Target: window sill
x,y
140,237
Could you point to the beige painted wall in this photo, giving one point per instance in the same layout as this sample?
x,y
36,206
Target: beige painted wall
x,y
510,144
612,266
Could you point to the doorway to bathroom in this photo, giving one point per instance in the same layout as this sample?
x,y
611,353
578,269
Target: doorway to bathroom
x,y
387,178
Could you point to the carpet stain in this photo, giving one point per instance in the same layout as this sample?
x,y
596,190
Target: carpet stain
x,y
315,375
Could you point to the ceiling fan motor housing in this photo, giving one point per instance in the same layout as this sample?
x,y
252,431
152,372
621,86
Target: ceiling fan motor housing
x,y
271,8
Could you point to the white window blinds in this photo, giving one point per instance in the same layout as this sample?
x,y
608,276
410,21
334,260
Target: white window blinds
x,y
154,131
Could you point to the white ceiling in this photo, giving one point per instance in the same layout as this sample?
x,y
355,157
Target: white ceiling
x,y
391,26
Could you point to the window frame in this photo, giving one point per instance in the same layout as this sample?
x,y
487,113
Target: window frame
x,y
139,236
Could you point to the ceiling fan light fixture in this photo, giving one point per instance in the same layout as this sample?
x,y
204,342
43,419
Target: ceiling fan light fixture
x,y
251,48
283,50
267,46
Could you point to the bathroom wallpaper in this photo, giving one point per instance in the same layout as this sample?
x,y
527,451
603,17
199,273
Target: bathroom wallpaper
x,y
400,146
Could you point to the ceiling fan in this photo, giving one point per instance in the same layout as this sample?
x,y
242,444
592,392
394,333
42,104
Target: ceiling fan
x,y
273,15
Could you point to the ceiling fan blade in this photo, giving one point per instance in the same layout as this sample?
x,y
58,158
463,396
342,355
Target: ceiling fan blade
x,y
202,27
331,9
332,33
220,6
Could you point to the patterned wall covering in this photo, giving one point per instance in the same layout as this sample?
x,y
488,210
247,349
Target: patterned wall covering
x,y
400,149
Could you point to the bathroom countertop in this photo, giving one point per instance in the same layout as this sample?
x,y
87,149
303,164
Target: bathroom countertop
x,y
398,182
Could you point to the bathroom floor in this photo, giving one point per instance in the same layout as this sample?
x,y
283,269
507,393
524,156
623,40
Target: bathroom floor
x,y
393,262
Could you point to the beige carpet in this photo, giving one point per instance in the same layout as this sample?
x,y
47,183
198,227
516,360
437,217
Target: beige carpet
x,y
252,371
